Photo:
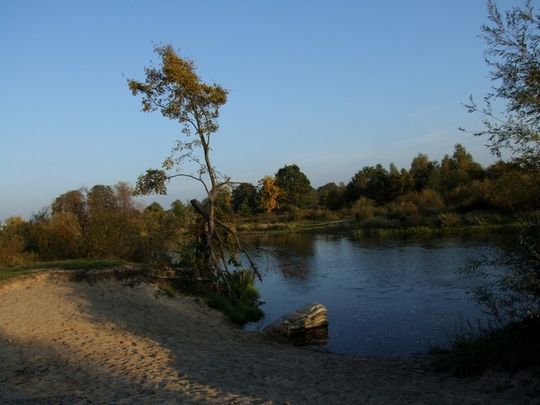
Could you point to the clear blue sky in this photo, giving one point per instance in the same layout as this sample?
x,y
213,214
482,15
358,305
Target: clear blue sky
x,y
330,86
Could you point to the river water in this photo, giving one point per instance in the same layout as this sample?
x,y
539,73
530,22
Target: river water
x,y
384,297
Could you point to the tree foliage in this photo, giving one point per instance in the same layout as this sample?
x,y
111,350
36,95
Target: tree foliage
x,y
371,182
295,187
513,50
269,194
244,199
513,54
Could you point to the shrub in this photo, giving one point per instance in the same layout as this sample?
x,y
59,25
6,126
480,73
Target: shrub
x,y
12,243
516,191
239,300
11,250
236,312
427,201
449,219
59,237
515,346
404,211
363,208
474,196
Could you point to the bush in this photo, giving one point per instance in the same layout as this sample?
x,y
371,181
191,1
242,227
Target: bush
x,y
516,191
59,237
236,312
427,201
474,196
238,299
510,348
449,219
363,208
12,243
11,250
404,211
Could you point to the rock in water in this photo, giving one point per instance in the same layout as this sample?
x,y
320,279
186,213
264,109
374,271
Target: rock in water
x,y
305,326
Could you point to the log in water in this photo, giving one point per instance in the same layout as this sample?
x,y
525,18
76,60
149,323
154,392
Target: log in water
x,y
305,326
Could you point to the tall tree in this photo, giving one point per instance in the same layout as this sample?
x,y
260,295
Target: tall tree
x,y
269,193
332,196
371,182
421,171
175,90
295,185
244,198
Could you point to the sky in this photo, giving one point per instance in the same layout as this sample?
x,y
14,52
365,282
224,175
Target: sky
x,y
330,86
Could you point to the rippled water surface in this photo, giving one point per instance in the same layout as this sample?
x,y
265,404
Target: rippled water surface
x,y
383,297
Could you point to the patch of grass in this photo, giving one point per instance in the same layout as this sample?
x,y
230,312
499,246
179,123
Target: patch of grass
x,y
239,301
513,347
238,312
427,231
76,264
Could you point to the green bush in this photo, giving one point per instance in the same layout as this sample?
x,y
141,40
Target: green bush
x,y
363,208
473,196
237,298
236,312
12,243
427,201
405,212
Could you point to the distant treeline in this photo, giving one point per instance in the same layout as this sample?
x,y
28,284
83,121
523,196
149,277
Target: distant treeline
x,y
454,186
103,222
106,222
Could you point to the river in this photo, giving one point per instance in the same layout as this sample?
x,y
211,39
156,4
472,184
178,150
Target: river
x,y
384,297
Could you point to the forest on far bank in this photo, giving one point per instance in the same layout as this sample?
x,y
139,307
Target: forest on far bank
x,y
107,222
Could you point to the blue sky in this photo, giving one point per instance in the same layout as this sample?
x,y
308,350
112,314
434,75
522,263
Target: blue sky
x,y
330,86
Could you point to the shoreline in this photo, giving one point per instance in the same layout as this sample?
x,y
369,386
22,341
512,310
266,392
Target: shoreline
x,y
122,341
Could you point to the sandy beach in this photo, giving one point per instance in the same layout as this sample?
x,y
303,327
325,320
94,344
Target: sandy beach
x,y
115,341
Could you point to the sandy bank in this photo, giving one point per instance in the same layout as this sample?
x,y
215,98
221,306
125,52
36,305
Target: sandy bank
x,y
64,341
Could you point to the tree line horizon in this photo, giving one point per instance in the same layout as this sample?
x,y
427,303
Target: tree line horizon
x,y
107,222
290,187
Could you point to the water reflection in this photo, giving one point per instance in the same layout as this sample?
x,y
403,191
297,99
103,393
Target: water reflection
x,y
289,254
383,297
312,337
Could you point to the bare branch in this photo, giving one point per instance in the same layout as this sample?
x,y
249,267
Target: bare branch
x,y
191,177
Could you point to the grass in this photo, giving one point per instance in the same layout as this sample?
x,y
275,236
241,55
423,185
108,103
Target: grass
x,y
8,272
427,231
294,226
240,306
384,226
510,348
238,312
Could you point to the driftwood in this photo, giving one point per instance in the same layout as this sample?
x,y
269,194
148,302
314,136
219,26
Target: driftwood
x,y
305,326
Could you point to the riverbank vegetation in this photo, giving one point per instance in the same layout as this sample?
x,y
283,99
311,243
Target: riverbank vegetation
x,y
511,292
106,222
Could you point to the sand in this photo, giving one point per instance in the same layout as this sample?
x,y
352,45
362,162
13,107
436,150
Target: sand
x,y
108,342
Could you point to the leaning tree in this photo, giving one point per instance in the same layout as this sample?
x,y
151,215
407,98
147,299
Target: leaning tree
x,y
174,89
